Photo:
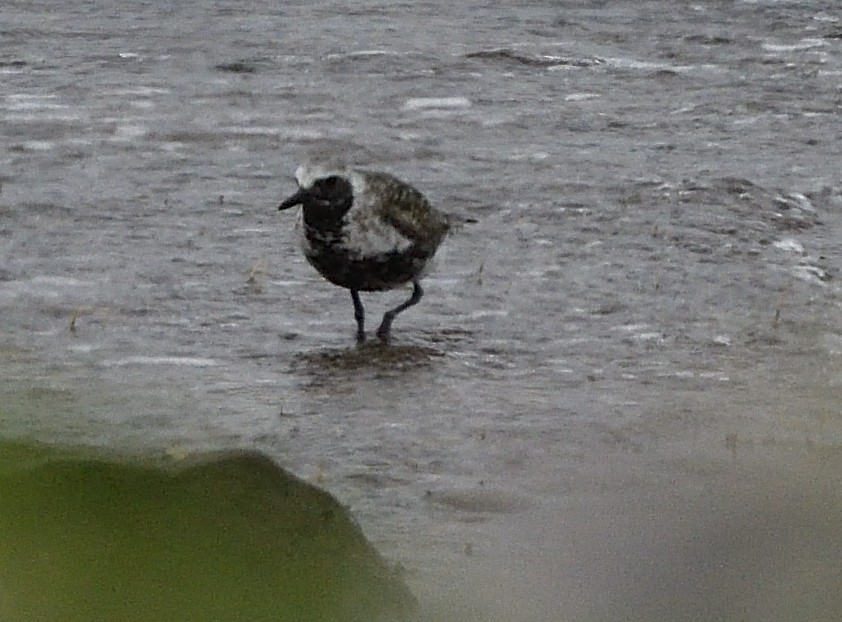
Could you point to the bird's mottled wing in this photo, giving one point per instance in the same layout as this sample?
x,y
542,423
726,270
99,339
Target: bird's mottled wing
x,y
407,210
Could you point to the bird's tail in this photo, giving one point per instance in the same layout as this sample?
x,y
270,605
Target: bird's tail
x,y
458,221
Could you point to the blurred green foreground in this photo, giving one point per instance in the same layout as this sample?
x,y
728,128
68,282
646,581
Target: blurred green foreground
x,y
218,537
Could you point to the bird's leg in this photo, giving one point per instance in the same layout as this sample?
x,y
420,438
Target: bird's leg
x,y
359,314
389,316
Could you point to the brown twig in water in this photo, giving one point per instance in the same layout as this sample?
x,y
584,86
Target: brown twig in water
x,y
782,299
78,312
257,275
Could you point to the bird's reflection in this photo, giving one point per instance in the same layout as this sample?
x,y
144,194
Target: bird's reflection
x,y
371,359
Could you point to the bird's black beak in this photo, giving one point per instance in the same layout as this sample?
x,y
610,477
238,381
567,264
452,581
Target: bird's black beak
x,y
296,199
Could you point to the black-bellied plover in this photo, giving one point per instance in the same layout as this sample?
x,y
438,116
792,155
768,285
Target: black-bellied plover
x,y
366,231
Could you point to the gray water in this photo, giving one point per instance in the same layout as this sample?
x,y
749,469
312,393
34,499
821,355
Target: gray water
x,y
645,315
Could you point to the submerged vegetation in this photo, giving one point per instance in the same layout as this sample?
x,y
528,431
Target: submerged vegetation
x,y
89,536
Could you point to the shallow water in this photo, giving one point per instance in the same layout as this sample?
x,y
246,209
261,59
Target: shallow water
x,y
647,305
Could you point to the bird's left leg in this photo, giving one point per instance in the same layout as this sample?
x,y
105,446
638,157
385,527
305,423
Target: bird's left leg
x,y
389,316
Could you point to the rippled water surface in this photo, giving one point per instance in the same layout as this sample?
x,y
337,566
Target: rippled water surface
x,y
646,309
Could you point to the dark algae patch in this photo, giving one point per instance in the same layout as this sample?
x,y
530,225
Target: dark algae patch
x,y
219,537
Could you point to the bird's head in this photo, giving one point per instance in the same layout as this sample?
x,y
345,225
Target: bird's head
x,y
325,189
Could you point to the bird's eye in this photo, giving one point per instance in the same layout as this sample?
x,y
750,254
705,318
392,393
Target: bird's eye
x,y
326,186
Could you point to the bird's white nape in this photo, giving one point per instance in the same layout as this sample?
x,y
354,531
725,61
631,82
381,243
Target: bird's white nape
x,y
308,173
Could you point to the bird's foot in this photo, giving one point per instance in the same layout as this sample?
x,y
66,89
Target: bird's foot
x,y
384,332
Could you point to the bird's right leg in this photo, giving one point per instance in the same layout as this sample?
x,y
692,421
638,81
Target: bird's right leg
x,y
359,314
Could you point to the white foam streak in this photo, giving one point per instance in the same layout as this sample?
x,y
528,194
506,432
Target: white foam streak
x,y
427,103
804,44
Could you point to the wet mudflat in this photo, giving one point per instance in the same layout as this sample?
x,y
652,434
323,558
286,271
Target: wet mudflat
x,y
644,315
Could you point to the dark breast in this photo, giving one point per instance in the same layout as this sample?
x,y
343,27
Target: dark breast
x,y
372,273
